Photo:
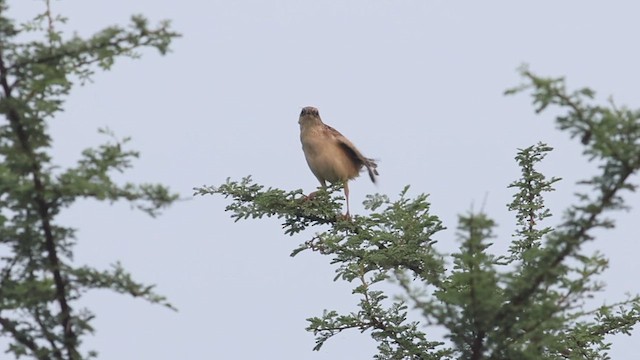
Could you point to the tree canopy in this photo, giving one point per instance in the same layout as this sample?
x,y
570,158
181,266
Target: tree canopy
x,y
528,303
39,283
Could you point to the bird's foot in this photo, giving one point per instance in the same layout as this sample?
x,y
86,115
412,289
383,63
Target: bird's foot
x,y
310,196
345,217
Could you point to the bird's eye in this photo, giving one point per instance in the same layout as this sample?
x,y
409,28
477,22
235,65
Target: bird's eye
x,y
309,111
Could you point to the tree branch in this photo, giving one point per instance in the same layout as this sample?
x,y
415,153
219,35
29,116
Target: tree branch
x,y
69,338
10,326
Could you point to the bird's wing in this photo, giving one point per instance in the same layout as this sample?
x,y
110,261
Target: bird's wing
x,y
352,152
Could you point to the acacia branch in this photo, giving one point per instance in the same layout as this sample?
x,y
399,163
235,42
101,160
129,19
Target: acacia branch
x,y
377,323
69,336
48,335
521,298
20,337
115,43
477,345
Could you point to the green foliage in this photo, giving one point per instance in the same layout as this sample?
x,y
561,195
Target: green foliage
x,y
528,202
530,303
39,283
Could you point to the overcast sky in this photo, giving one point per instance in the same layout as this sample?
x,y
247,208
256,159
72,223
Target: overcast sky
x,y
416,84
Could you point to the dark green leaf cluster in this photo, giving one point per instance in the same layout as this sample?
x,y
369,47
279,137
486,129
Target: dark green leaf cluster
x,y
366,249
531,303
39,283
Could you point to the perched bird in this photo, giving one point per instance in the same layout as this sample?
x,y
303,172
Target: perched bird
x,y
330,155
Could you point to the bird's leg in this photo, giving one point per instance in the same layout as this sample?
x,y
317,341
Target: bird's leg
x,y
346,195
313,194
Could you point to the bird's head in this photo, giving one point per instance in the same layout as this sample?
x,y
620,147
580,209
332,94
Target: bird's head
x,y
309,110
309,115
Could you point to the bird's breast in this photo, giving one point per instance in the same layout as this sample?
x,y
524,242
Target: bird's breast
x,y
327,159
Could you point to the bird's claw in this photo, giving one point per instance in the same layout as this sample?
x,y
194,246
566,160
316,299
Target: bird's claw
x,y
311,196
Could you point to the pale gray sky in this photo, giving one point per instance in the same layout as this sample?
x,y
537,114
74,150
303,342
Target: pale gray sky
x,y
416,84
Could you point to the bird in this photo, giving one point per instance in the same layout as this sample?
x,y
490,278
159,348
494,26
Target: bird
x,y
330,155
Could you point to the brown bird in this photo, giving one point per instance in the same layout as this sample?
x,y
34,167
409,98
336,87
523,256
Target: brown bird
x,y
330,155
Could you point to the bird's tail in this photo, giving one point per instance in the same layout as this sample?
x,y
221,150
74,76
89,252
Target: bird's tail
x,y
371,168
